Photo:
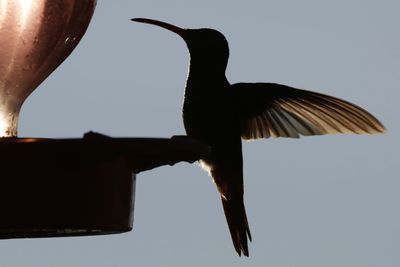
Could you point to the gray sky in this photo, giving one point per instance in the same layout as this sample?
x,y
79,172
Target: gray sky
x,y
317,201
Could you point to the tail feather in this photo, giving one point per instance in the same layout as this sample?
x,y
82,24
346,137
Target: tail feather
x,y
226,169
236,218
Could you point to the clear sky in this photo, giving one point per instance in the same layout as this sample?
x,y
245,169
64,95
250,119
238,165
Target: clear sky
x,y
316,201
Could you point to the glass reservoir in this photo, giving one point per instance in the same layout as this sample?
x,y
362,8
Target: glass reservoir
x,y
35,38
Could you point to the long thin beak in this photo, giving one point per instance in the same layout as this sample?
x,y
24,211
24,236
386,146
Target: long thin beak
x,y
181,32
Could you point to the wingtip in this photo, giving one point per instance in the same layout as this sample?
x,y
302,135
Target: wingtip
x,y
382,129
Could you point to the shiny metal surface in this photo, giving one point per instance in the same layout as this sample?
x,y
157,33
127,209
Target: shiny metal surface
x,y
35,38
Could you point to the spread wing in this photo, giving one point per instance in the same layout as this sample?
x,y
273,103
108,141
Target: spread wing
x,y
274,110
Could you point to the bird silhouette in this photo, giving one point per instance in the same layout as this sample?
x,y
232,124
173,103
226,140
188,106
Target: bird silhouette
x,y
221,114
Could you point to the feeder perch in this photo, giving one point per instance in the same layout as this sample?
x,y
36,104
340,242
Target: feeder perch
x,y
67,187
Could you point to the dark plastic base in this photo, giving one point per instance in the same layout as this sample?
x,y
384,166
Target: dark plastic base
x,y
72,187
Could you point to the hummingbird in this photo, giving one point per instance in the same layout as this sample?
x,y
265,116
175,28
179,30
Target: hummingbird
x,y
221,115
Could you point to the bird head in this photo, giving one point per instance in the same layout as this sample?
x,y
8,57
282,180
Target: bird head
x,y
208,48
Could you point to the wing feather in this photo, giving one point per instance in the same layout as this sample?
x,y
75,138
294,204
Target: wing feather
x,y
269,109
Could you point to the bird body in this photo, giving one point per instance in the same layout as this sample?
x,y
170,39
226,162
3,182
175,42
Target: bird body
x,y
210,114
221,115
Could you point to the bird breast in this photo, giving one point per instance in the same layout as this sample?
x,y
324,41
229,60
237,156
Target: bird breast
x,y
209,113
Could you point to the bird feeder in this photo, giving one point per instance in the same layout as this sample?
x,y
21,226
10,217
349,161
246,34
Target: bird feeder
x,y
64,187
